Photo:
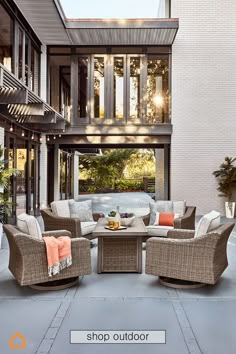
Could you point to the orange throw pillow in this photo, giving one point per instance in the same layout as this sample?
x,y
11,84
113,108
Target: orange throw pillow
x,y
166,219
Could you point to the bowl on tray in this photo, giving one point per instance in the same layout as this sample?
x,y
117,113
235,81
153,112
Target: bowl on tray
x,y
127,219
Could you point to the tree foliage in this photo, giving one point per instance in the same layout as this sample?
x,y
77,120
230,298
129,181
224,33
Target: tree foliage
x,y
105,169
5,174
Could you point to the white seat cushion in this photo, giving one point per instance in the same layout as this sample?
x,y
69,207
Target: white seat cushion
x,y
29,225
81,210
208,223
162,206
160,231
61,208
87,227
179,207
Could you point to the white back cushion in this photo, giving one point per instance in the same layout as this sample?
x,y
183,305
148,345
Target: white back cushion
x,y
81,210
29,225
179,207
61,208
208,223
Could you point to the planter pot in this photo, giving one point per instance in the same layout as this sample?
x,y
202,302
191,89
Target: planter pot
x,y
1,233
229,209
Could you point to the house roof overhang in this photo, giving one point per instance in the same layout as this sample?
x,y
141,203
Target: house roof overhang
x,y
48,20
115,32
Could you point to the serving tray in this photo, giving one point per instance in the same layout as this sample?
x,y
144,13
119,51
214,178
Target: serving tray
x,y
112,228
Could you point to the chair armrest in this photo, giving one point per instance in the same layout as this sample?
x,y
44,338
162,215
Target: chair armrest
x,y
80,242
97,216
28,245
180,234
53,222
187,221
56,233
146,219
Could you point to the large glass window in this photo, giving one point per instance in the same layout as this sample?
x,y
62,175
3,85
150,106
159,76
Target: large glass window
x,y
99,89
112,88
157,89
82,87
134,92
118,71
6,39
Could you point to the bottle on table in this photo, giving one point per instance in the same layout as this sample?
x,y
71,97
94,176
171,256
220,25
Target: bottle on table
x,y
117,218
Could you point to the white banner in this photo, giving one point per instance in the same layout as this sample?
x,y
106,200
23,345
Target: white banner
x,y
118,337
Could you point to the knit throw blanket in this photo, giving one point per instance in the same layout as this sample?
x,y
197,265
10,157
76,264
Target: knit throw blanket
x,y
58,253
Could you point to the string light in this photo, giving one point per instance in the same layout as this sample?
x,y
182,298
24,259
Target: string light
x,y
54,137
11,128
32,136
40,139
23,133
59,135
48,139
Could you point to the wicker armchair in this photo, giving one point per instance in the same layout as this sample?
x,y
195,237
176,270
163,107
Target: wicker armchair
x,y
181,257
28,259
53,222
187,221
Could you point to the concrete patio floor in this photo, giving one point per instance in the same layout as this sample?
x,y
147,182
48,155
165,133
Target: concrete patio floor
x,y
196,321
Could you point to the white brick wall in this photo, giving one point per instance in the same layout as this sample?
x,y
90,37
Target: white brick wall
x,y
203,99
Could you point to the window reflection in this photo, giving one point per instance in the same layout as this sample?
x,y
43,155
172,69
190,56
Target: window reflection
x,y
118,87
82,87
21,165
99,100
6,39
134,87
157,90
20,53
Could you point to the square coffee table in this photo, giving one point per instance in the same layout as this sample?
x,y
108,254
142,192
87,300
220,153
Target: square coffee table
x,y
120,250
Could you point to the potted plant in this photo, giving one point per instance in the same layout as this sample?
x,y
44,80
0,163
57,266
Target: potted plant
x,y
226,176
5,174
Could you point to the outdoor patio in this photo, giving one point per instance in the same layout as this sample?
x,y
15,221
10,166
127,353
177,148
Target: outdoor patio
x,y
196,321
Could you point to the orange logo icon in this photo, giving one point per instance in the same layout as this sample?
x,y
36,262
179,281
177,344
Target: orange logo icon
x,y
18,346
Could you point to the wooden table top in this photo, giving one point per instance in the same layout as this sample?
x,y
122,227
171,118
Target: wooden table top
x,y
136,229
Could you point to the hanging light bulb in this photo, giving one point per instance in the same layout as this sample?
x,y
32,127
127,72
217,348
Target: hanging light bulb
x,y
59,135
11,128
23,133
54,137
32,136
48,139
40,139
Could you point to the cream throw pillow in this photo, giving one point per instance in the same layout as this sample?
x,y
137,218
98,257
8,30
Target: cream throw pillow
x,y
81,210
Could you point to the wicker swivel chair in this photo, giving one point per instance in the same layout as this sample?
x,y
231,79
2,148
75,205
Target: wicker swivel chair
x,y
184,261
28,259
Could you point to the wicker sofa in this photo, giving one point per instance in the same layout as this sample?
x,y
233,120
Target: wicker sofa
x,y
185,256
61,219
28,259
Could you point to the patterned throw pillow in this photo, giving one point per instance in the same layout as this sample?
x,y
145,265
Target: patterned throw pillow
x,y
81,210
